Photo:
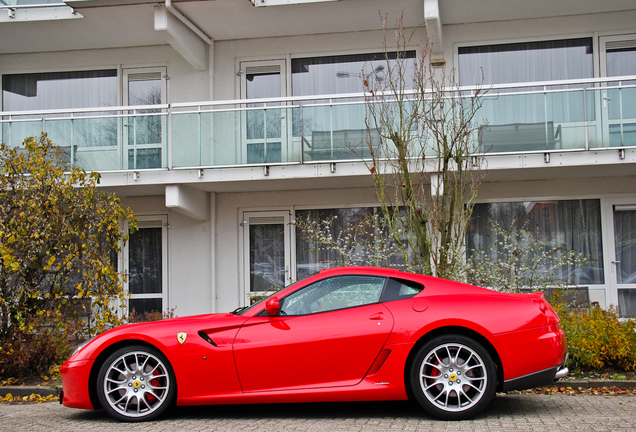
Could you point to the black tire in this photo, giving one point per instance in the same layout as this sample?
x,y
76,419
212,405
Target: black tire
x,y
453,377
136,383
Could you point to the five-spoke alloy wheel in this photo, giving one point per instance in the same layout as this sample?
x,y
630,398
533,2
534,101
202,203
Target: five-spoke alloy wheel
x,y
136,383
453,377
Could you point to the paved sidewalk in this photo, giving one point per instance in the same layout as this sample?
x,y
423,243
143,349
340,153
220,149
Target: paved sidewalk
x,y
506,413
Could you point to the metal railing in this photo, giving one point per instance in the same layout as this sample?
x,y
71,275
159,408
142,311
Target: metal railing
x,y
555,116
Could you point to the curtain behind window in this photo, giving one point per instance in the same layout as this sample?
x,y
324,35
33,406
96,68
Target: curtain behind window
x,y
344,73
59,90
340,75
572,224
145,261
526,62
372,247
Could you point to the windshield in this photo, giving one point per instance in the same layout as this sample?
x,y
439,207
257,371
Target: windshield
x,y
244,309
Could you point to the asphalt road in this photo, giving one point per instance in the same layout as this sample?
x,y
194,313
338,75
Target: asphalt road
x,y
507,412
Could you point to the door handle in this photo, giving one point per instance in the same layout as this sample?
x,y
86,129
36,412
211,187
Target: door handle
x,y
377,316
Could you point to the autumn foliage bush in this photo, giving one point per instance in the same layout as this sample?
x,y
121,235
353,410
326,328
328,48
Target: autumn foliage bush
x,y
598,339
57,235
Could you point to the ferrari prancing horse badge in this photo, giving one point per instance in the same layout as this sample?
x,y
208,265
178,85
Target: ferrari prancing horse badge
x,y
181,337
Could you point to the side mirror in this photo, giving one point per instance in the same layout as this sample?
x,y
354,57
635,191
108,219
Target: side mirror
x,y
272,306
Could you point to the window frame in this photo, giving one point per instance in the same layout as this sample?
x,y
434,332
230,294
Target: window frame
x,y
158,221
602,221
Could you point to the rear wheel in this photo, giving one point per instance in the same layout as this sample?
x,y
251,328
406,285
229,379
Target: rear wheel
x,y
453,377
136,383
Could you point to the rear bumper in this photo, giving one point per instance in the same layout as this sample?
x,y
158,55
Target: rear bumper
x,y
542,378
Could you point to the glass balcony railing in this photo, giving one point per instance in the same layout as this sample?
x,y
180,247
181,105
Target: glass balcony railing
x,y
559,116
532,117
122,139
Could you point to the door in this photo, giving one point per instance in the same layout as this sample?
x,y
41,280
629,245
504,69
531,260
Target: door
x,y
146,264
264,129
623,273
145,130
328,334
618,58
267,253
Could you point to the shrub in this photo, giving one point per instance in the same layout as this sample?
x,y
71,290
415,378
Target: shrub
x,y
57,235
135,317
598,339
33,354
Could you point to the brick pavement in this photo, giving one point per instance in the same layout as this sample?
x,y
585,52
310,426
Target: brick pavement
x,y
510,412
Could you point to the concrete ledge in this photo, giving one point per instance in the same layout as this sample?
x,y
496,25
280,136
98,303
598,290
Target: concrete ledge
x,y
29,390
596,383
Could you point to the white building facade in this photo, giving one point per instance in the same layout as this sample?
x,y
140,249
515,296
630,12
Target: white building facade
x,y
220,122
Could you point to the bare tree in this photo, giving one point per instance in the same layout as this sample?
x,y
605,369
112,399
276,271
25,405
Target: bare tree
x,y
426,167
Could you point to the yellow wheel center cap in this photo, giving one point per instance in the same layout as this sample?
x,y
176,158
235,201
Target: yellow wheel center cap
x,y
136,384
453,377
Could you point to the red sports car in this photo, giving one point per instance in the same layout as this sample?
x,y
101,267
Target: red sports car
x,y
346,334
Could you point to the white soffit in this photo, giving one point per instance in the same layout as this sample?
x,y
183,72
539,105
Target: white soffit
x,y
37,12
286,2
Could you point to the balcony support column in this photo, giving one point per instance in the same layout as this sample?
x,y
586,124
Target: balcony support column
x,y
434,27
188,201
183,35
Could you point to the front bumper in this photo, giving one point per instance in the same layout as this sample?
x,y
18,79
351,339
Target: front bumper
x,y
75,382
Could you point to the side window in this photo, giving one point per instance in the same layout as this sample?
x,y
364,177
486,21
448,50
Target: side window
x,y
399,289
339,292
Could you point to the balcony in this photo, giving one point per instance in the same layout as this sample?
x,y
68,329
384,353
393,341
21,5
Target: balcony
x,y
572,116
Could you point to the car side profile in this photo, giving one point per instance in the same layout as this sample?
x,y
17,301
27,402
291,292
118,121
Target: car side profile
x,y
345,334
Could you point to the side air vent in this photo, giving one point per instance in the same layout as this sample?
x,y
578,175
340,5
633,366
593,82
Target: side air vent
x,y
207,338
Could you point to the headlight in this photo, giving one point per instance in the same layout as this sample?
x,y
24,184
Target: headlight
x,y
82,345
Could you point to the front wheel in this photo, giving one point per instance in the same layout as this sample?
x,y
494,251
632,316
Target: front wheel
x,y
136,383
453,377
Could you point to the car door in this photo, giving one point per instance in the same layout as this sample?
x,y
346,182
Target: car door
x,y
326,335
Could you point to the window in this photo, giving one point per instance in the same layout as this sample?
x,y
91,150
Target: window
x,y
61,90
147,267
332,294
625,262
526,62
398,289
336,129
620,58
145,130
572,224
344,73
355,230
530,121
264,134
